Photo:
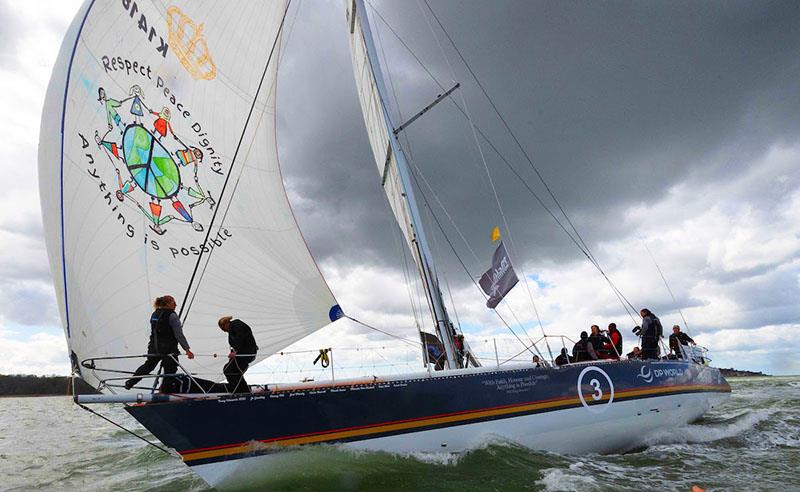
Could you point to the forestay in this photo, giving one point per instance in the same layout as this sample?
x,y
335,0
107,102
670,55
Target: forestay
x,y
155,101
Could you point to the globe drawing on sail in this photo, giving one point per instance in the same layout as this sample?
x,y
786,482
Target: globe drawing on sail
x,y
149,163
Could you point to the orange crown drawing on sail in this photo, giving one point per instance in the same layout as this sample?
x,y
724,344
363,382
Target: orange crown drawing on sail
x,y
188,44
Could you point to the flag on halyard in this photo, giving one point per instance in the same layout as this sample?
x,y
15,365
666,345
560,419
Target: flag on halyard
x,y
500,278
495,234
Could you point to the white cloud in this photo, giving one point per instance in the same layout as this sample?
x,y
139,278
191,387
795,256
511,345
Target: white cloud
x,y
40,353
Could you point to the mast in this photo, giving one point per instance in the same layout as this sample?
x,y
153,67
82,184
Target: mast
x,y
419,239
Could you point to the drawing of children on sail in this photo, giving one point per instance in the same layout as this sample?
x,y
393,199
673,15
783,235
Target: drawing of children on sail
x,y
151,167
138,103
111,106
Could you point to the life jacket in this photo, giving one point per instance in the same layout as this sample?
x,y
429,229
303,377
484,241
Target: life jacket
x,y
162,337
581,352
616,341
598,341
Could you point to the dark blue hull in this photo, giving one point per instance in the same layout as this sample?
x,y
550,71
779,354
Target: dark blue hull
x,y
232,427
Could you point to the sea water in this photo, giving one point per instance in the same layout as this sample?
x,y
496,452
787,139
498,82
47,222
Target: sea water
x,y
752,442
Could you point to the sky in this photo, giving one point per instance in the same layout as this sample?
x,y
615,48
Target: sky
x,y
668,127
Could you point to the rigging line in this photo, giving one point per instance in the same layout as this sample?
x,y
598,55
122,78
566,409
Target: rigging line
x,y
398,238
121,427
424,272
505,123
222,221
666,284
513,357
379,40
452,302
410,342
233,161
406,272
491,181
418,172
482,134
622,299
585,247
458,257
227,208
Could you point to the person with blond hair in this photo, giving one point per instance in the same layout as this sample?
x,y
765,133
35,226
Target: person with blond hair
x,y
166,333
243,352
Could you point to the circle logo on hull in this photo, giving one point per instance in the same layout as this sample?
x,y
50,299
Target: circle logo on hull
x,y
594,387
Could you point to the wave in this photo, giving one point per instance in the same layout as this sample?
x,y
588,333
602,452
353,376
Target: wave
x,y
703,433
563,480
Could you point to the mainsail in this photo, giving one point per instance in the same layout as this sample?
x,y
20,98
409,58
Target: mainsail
x,y
153,110
377,131
391,161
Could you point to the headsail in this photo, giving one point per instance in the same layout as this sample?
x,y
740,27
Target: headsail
x,y
151,111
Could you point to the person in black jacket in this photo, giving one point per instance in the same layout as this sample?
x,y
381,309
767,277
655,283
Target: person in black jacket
x,y
583,349
563,358
651,334
598,341
166,333
636,353
243,352
677,339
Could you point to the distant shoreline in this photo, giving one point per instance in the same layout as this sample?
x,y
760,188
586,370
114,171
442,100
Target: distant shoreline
x,y
737,373
19,385
28,386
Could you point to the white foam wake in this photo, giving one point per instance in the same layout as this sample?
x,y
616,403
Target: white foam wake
x,y
562,480
701,433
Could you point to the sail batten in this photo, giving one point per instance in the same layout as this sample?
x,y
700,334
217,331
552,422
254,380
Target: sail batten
x,y
155,105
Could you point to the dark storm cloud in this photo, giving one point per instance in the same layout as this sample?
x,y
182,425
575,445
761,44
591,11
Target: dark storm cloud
x,y
333,182
615,103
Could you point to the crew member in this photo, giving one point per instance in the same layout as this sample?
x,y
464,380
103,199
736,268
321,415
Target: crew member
x,y
166,333
677,339
563,358
651,334
598,341
614,347
243,352
583,349
539,362
636,353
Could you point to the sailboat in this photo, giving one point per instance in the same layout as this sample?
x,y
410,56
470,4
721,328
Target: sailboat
x,y
159,173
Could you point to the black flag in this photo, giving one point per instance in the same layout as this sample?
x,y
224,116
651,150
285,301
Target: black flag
x,y
500,279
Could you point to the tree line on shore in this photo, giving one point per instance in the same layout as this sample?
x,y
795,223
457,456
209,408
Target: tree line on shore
x,y
29,385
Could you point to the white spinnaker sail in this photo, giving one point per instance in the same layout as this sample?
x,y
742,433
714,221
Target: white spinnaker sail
x,y
117,241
